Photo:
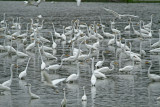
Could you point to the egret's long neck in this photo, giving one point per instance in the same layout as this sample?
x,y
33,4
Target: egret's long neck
x,y
27,64
61,62
103,30
111,64
140,26
54,28
103,56
40,53
31,21
149,68
89,52
11,72
133,27
140,47
111,26
92,64
151,18
78,50
64,94
77,69
115,39
73,46
159,35
27,29
88,31
52,38
30,90
84,92
42,47
130,47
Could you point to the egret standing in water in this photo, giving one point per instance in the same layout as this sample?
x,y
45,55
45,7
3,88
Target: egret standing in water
x,y
23,74
64,101
84,97
9,82
78,2
32,95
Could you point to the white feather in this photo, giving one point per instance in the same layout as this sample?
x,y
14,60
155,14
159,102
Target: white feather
x,y
78,2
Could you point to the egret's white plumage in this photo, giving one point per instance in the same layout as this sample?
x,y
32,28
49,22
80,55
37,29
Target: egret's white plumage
x,y
78,2
9,82
84,97
23,74
153,77
32,95
64,101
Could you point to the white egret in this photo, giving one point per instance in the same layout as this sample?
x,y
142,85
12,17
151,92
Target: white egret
x,y
149,24
157,44
107,34
73,58
78,2
64,101
40,16
63,36
156,50
56,66
84,97
100,63
57,35
119,15
54,45
153,77
9,82
32,95
93,78
143,31
21,54
106,69
43,65
128,27
39,2
127,68
42,39
4,88
29,2
49,82
31,46
73,77
135,31
23,74
47,54
46,48
84,56
4,19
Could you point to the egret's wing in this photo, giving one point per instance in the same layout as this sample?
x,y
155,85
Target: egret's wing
x,y
39,1
31,1
6,83
127,15
55,82
113,12
78,2
46,77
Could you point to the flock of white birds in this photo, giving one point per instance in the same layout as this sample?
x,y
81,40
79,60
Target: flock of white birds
x,y
37,3
77,34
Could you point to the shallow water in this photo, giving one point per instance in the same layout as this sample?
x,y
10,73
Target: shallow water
x,y
120,89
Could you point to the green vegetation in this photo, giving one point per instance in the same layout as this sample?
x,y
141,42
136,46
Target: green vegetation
x,y
127,1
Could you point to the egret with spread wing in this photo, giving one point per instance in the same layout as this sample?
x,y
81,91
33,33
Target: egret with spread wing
x,y
119,15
